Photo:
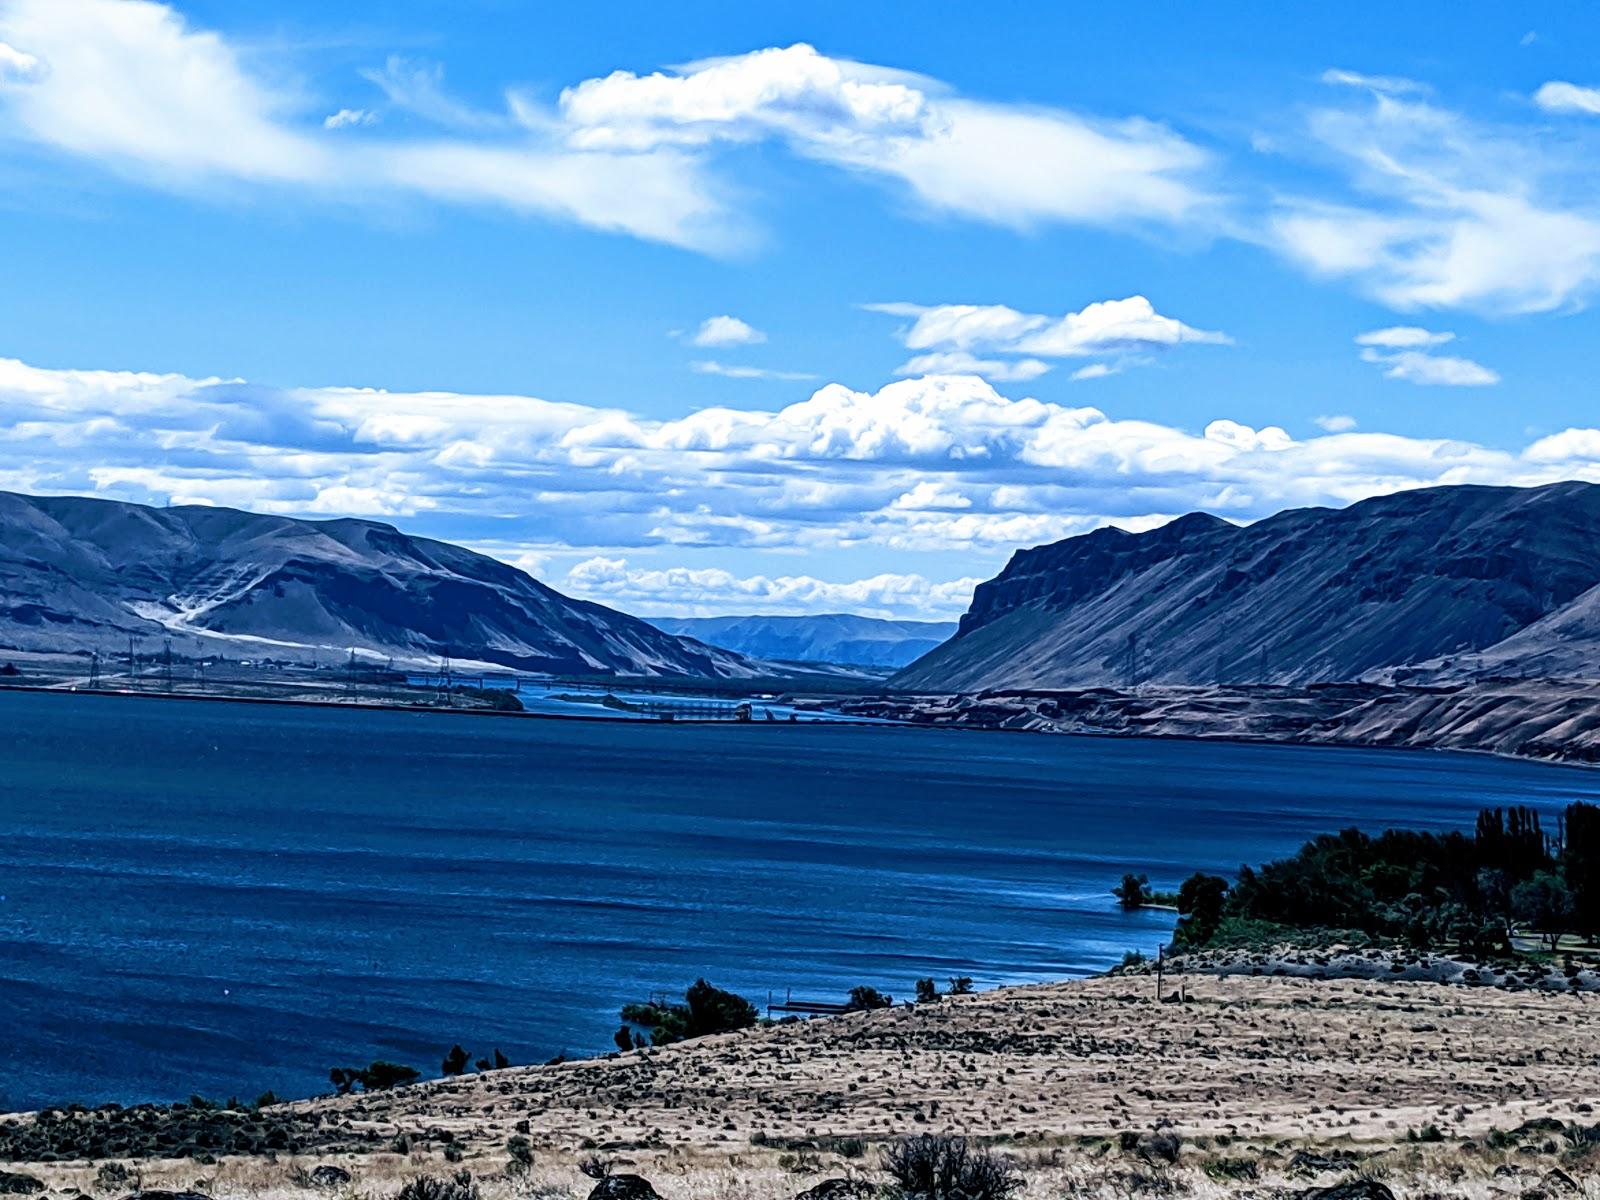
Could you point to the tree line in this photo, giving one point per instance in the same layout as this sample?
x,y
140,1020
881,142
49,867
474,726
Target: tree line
x,y
1473,891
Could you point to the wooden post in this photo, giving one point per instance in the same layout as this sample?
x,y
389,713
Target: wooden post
x,y
1161,952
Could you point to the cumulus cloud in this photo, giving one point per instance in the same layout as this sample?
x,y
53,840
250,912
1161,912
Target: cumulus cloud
x,y
711,591
1568,98
1334,423
726,331
953,335
942,465
1408,353
1444,212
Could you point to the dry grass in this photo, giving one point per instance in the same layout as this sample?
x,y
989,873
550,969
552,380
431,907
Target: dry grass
x,y
1249,1071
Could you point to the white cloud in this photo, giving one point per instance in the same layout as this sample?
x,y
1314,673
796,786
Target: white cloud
x,y
1004,164
1440,370
739,371
346,118
1448,213
1335,423
952,336
1407,352
942,465
1568,98
686,591
964,362
1403,337
18,67
1392,84
726,331
131,86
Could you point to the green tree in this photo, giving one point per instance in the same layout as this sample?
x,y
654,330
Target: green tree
x,y
1543,903
1133,891
1200,907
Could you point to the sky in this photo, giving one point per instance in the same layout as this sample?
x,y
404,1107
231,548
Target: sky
x,y
701,309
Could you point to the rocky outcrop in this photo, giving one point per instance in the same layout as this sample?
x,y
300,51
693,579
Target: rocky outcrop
x,y
1429,585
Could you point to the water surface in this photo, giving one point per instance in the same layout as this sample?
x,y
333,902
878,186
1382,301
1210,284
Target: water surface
x,y
225,898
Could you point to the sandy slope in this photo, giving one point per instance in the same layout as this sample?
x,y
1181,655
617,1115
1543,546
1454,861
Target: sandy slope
x,y
1247,1056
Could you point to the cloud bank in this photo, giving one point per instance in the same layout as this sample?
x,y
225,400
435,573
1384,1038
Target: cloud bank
x,y
945,466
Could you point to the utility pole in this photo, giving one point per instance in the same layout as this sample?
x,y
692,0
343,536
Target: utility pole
x,y
1161,964
166,665
94,669
133,669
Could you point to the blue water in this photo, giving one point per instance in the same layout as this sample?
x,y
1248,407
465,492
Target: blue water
x,y
224,898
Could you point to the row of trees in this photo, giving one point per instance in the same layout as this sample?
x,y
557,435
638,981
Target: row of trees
x,y
1472,891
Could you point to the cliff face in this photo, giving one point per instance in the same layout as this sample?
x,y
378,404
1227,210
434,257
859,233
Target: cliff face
x,y
79,574
1438,583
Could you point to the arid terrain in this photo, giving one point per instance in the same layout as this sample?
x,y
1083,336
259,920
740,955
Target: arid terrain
x,y
1268,1083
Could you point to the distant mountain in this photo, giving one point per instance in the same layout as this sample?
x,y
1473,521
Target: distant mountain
x,y
1435,584
827,638
79,573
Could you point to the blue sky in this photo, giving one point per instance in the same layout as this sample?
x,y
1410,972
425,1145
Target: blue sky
x,y
792,307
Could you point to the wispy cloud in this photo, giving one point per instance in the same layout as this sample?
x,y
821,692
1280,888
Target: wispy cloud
x,y
1444,212
737,371
1408,353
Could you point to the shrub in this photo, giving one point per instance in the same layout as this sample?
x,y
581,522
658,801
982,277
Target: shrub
x,y
455,1063
1133,891
705,1010
927,991
942,1167
1132,958
961,985
864,997
520,1152
429,1187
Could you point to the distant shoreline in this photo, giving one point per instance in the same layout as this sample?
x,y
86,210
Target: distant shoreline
x,y
836,719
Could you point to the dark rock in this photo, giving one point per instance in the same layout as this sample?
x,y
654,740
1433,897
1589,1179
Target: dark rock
x,y
327,1176
838,1189
1350,1189
623,1187
162,1194
1559,1181
13,1183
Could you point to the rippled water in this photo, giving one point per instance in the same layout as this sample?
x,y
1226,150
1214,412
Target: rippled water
x,y
223,898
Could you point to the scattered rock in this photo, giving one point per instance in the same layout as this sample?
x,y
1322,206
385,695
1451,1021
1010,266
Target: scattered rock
x,y
1559,1181
14,1183
327,1176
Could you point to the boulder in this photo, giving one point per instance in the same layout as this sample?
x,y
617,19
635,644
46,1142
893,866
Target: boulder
x,y
623,1187
838,1189
14,1183
1350,1189
327,1176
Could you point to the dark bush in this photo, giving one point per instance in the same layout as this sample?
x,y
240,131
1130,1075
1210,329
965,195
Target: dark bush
x,y
429,1187
455,1063
1133,891
927,991
942,1167
705,1010
863,998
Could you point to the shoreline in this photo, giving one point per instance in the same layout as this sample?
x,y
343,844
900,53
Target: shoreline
x,y
838,719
